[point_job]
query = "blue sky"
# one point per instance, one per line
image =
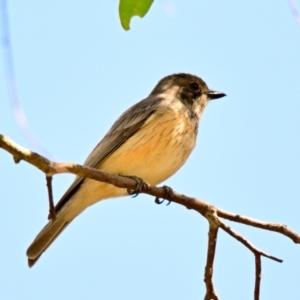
(78, 70)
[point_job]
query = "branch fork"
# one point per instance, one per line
(213, 214)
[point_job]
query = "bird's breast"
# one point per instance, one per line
(157, 150)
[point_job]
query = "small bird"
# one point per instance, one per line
(151, 140)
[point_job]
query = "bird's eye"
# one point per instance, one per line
(194, 86)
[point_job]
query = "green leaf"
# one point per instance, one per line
(131, 8)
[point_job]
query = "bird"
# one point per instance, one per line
(151, 140)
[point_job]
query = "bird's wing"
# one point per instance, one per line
(128, 124)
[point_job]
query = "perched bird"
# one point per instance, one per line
(150, 140)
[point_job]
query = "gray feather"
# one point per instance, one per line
(127, 125)
(45, 238)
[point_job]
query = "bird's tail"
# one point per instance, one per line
(45, 238)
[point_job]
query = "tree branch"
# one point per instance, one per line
(52, 212)
(214, 224)
(210, 212)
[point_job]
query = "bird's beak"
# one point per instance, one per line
(215, 95)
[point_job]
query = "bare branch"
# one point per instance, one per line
(257, 276)
(50, 196)
(50, 168)
(210, 212)
(257, 255)
(211, 251)
(252, 248)
(283, 229)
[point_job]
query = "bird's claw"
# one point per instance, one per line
(168, 192)
(139, 186)
(158, 201)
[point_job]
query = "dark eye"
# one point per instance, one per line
(194, 86)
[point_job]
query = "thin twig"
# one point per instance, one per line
(280, 228)
(50, 196)
(257, 276)
(211, 250)
(246, 243)
(257, 255)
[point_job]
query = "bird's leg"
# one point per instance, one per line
(168, 193)
(139, 185)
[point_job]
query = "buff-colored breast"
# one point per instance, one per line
(154, 154)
